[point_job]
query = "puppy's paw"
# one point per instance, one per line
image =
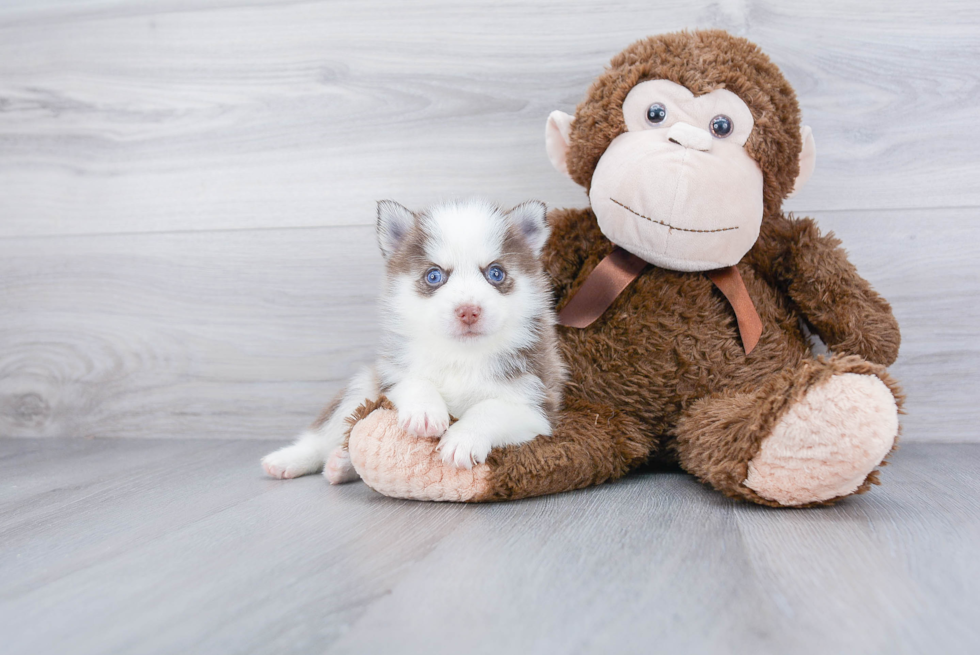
(429, 419)
(463, 447)
(338, 469)
(292, 461)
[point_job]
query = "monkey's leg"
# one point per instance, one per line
(589, 445)
(810, 436)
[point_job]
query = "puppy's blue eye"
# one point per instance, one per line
(434, 276)
(495, 274)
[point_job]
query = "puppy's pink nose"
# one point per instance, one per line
(468, 314)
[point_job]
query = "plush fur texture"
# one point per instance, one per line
(827, 443)
(662, 375)
(670, 192)
(702, 61)
(400, 465)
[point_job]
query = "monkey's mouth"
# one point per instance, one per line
(668, 225)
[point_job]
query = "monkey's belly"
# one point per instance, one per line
(672, 338)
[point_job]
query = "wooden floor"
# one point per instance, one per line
(181, 546)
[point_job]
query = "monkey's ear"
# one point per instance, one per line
(394, 223)
(556, 135)
(531, 220)
(808, 159)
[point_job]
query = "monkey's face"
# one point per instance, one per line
(678, 188)
(666, 165)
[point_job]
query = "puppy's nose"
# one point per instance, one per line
(468, 314)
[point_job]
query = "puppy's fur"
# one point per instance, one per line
(468, 331)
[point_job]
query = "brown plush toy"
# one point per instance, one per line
(682, 292)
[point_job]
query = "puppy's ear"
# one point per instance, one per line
(531, 220)
(394, 223)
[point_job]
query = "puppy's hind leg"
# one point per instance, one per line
(325, 438)
(339, 469)
(305, 456)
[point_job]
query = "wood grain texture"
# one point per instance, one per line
(191, 115)
(186, 186)
(247, 333)
(164, 546)
(231, 334)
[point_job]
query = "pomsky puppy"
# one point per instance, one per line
(468, 330)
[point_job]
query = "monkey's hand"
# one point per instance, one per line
(814, 271)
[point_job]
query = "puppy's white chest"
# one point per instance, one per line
(461, 389)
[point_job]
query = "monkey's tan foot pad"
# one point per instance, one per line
(827, 444)
(397, 464)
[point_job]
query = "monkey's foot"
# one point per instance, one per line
(828, 443)
(400, 465)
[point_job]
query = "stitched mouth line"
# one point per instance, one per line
(668, 225)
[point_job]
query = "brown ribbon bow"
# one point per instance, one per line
(619, 268)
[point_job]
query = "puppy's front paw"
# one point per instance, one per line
(463, 448)
(424, 419)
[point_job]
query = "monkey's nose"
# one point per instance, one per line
(685, 134)
(468, 314)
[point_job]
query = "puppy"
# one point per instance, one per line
(467, 331)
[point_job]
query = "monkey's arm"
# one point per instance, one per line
(814, 271)
(575, 241)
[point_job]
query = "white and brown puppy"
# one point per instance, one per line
(467, 331)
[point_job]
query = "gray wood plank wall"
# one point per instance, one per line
(187, 187)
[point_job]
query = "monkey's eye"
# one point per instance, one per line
(721, 126)
(495, 274)
(434, 276)
(656, 114)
